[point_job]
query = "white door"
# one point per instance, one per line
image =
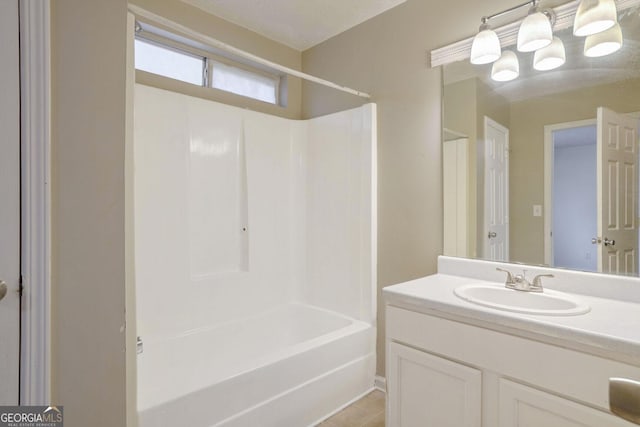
(617, 177)
(428, 391)
(9, 203)
(496, 191)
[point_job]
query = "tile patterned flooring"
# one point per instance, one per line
(366, 412)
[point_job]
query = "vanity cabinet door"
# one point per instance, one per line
(428, 391)
(522, 406)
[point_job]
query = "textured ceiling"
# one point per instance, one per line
(300, 24)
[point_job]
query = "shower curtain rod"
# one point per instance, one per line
(145, 14)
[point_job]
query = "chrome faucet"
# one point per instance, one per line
(519, 282)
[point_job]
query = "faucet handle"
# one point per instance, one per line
(509, 280)
(521, 278)
(537, 281)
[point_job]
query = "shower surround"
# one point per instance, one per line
(255, 262)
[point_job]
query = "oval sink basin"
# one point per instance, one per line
(549, 303)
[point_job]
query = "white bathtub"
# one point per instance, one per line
(291, 366)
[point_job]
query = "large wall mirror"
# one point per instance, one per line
(543, 169)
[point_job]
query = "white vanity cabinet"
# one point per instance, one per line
(443, 372)
(520, 405)
(431, 391)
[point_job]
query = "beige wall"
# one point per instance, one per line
(387, 57)
(459, 107)
(90, 200)
(528, 119)
(459, 115)
(88, 211)
(237, 36)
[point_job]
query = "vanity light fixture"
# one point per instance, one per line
(506, 68)
(550, 57)
(535, 31)
(486, 45)
(594, 16)
(603, 43)
(596, 19)
(485, 48)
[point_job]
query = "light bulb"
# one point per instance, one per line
(603, 43)
(550, 57)
(506, 68)
(486, 46)
(535, 32)
(594, 16)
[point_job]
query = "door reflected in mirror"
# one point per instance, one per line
(544, 169)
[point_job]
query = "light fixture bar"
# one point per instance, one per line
(508, 33)
(486, 44)
(511, 9)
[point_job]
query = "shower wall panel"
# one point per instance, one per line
(238, 212)
(341, 213)
(217, 196)
(206, 252)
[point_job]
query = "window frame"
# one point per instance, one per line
(209, 60)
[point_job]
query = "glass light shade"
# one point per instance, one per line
(603, 43)
(535, 32)
(506, 68)
(550, 57)
(485, 48)
(594, 16)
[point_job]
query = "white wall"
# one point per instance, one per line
(575, 207)
(306, 204)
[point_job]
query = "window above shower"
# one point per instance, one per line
(175, 57)
(173, 63)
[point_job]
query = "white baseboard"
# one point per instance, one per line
(380, 383)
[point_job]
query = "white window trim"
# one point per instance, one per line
(35, 95)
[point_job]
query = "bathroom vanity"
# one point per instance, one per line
(452, 362)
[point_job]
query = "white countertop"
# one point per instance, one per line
(611, 329)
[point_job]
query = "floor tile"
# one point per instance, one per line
(376, 421)
(366, 412)
(351, 416)
(373, 402)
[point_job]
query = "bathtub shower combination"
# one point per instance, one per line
(255, 262)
